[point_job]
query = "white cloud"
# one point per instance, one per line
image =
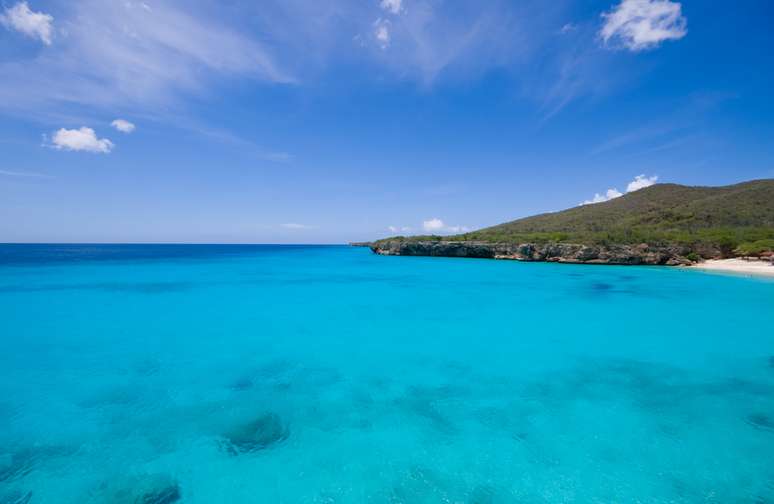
(640, 182)
(123, 125)
(84, 139)
(37, 25)
(437, 226)
(295, 225)
(394, 6)
(382, 33)
(611, 193)
(433, 225)
(644, 24)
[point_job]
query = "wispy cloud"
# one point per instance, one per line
(126, 54)
(296, 226)
(643, 24)
(426, 37)
(37, 25)
(7, 173)
(230, 138)
(428, 40)
(573, 68)
(665, 131)
(668, 145)
(651, 131)
(133, 56)
(570, 82)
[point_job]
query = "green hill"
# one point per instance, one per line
(718, 218)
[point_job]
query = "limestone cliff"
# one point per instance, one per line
(550, 252)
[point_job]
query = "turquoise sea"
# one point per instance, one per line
(312, 374)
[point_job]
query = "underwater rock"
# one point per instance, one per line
(165, 495)
(456, 370)
(147, 367)
(428, 403)
(738, 386)
(147, 489)
(14, 465)
(241, 384)
(319, 378)
(19, 463)
(761, 421)
(16, 498)
(270, 375)
(274, 370)
(260, 434)
(601, 287)
(143, 287)
(122, 395)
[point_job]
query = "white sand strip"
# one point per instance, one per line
(738, 266)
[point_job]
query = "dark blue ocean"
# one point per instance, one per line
(310, 374)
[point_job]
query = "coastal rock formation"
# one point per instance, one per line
(664, 224)
(642, 254)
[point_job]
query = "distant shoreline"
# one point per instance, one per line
(572, 254)
(743, 267)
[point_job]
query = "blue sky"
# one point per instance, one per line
(298, 121)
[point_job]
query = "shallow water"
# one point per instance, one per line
(258, 374)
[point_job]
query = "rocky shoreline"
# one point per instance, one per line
(641, 254)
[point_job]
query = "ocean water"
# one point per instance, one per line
(305, 374)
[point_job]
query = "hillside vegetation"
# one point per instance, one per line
(731, 218)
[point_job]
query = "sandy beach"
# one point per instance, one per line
(738, 266)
